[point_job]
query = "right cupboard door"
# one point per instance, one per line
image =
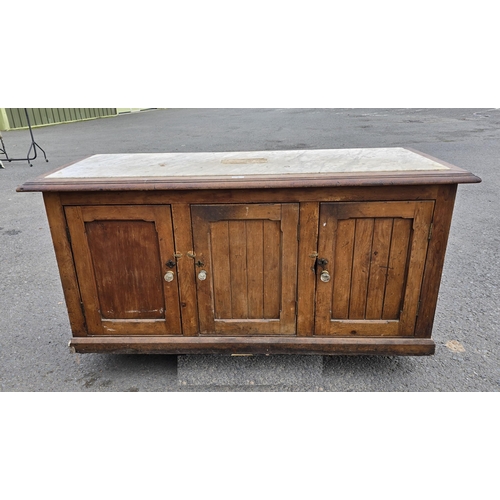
(371, 258)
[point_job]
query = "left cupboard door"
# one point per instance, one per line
(126, 267)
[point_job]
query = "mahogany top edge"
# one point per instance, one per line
(450, 175)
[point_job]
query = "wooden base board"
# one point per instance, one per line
(254, 345)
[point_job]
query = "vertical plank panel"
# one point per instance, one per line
(308, 251)
(181, 216)
(327, 239)
(163, 222)
(382, 232)
(289, 249)
(201, 238)
(272, 269)
(343, 268)
(397, 268)
(238, 260)
(418, 253)
(219, 238)
(361, 267)
(255, 263)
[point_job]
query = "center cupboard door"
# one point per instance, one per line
(246, 268)
(370, 267)
(125, 263)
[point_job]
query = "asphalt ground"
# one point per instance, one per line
(34, 328)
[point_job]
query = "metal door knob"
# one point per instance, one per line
(202, 275)
(169, 276)
(325, 276)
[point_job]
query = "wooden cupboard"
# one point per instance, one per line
(317, 252)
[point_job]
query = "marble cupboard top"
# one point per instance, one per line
(248, 163)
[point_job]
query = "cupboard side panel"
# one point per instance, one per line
(64, 258)
(442, 217)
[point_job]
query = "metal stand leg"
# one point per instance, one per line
(2, 151)
(33, 147)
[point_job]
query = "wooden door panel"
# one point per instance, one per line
(395, 277)
(120, 256)
(273, 256)
(127, 289)
(375, 254)
(363, 237)
(379, 263)
(255, 260)
(249, 254)
(238, 269)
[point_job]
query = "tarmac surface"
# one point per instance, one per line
(34, 328)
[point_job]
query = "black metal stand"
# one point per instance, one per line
(33, 147)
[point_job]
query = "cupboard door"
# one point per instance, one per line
(246, 267)
(371, 259)
(122, 257)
